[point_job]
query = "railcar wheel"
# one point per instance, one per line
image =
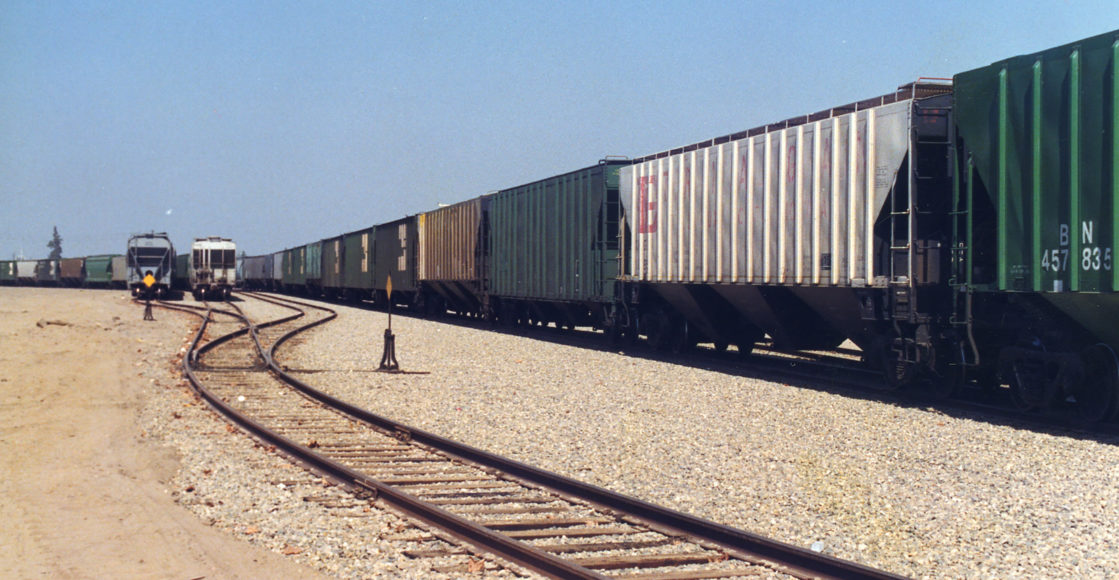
(1027, 386)
(896, 371)
(1097, 393)
(655, 328)
(948, 373)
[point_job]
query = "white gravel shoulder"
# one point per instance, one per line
(906, 489)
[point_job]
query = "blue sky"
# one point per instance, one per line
(278, 123)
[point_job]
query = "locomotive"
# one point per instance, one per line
(212, 268)
(151, 263)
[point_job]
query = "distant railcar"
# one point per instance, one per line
(277, 270)
(294, 268)
(47, 272)
(153, 255)
(552, 253)
(357, 264)
(72, 271)
(451, 256)
(7, 272)
(180, 279)
(120, 272)
(332, 263)
(25, 271)
(213, 268)
(312, 268)
(256, 272)
(394, 256)
(99, 271)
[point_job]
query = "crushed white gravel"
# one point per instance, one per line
(907, 489)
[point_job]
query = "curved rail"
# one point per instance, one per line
(737, 543)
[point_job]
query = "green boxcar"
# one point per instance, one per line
(99, 270)
(295, 268)
(313, 266)
(556, 241)
(1041, 134)
(7, 272)
(1038, 185)
(332, 255)
(394, 254)
(180, 278)
(357, 262)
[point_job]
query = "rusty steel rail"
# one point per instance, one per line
(791, 559)
(776, 555)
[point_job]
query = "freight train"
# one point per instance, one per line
(149, 269)
(958, 231)
(100, 271)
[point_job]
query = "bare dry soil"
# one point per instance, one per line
(82, 488)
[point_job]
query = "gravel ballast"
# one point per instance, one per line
(907, 489)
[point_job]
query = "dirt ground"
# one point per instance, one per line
(82, 491)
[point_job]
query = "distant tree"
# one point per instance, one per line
(55, 245)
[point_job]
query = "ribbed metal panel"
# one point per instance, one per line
(395, 255)
(357, 259)
(120, 269)
(1042, 133)
(313, 262)
(72, 269)
(332, 255)
(98, 269)
(257, 269)
(448, 242)
(25, 269)
(278, 266)
(556, 239)
(789, 206)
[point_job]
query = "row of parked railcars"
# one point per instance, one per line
(149, 269)
(102, 271)
(953, 229)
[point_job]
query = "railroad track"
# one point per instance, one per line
(516, 515)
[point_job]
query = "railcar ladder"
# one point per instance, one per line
(905, 224)
(960, 281)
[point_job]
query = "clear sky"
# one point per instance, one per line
(278, 123)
